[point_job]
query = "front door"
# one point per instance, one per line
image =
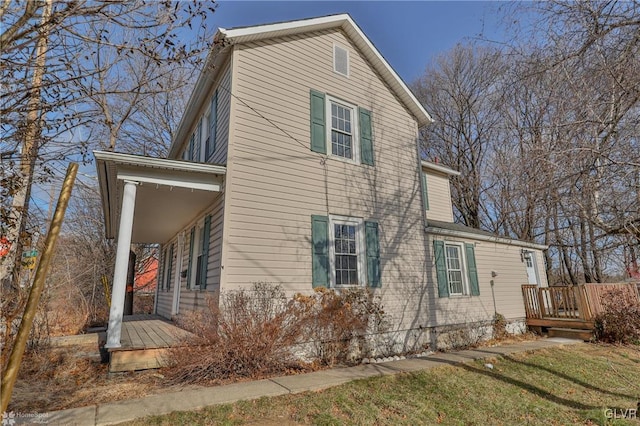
(530, 262)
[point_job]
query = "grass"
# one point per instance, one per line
(559, 386)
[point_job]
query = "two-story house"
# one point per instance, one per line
(296, 162)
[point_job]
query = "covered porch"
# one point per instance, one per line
(147, 200)
(144, 343)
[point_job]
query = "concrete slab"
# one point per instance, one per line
(188, 400)
(315, 381)
(83, 416)
(195, 399)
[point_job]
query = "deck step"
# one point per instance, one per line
(571, 333)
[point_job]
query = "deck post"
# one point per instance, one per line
(122, 263)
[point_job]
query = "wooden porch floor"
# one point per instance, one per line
(145, 342)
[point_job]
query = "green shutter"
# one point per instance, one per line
(189, 267)
(366, 138)
(320, 251)
(373, 254)
(472, 270)
(205, 251)
(318, 131)
(441, 268)
(168, 285)
(425, 192)
(213, 126)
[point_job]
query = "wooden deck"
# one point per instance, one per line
(568, 308)
(145, 342)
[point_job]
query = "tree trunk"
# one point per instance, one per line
(33, 129)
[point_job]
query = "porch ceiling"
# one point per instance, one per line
(169, 193)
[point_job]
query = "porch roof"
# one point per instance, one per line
(170, 192)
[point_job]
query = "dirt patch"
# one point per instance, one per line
(69, 377)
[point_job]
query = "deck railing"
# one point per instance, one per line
(581, 302)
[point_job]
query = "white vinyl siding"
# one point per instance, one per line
(439, 196)
(276, 183)
(193, 151)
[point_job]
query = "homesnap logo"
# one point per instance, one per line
(8, 419)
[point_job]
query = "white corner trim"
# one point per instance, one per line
(439, 168)
(469, 235)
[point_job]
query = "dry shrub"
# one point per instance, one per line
(620, 320)
(339, 323)
(500, 327)
(259, 332)
(249, 336)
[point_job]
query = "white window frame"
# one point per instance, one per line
(335, 70)
(197, 251)
(355, 129)
(360, 249)
(463, 268)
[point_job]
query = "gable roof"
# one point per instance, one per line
(225, 38)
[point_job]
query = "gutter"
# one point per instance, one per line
(498, 240)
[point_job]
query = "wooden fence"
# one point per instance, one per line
(581, 302)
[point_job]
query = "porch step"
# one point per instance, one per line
(571, 333)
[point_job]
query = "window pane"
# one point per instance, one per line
(346, 259)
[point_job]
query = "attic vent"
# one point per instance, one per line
(340, 60)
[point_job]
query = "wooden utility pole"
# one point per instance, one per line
(30, 146)
(11, 373)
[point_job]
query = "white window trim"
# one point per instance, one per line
(463, 265)
(355, 130)
(348, 74)
(360, 249)
(197, 251)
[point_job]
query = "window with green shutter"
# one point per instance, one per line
(366, 137)
(340, 129)
(373, 254)
(320, 251)
(192, 238)
(425, 191)
(318, 132)
(346, 252)
(456, 271)
(210, 143)
(204, 263)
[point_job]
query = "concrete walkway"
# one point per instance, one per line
(188, 400)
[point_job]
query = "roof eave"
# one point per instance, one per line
(440, 168)
(480, 237)
(343, 21)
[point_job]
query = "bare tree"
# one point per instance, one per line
(461, 92)
(103, 59)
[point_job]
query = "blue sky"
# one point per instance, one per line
(407, 33)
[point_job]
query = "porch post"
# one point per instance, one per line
(122, 263)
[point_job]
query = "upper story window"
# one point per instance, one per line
(342, 130)
(210, 143)
(341, 60)
(202, 143)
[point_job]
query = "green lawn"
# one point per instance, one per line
(571, 385)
